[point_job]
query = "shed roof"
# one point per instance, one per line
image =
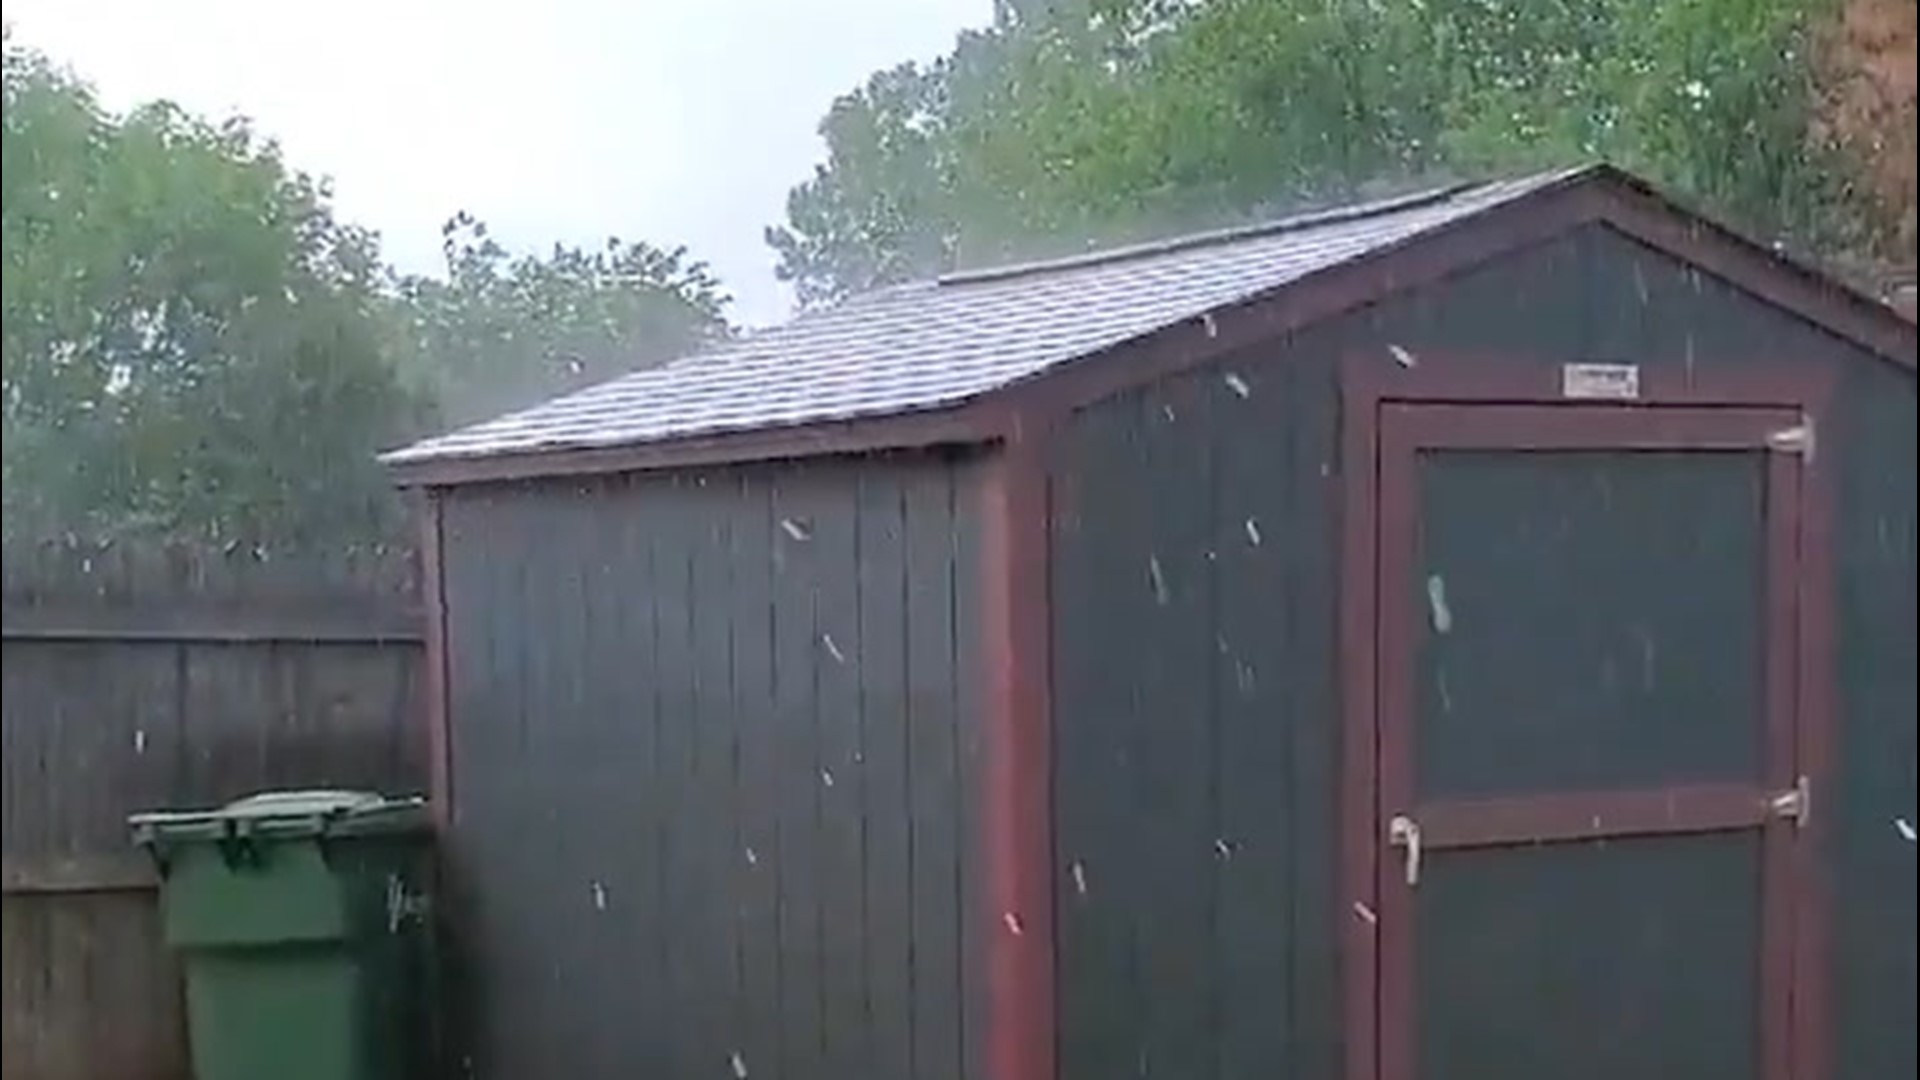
(933, 345)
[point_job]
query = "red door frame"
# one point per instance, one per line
(1455, 824)
(1694, 409)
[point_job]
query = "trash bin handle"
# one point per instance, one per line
(236, 842)
(147, 839)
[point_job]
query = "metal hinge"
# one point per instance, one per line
(1793, 804)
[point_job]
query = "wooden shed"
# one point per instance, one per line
(1463, 637)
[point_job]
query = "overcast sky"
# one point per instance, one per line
(673, 121)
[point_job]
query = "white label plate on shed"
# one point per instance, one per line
(1604, 382)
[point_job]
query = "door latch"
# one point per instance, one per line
(1793, 804)
(1404, 833)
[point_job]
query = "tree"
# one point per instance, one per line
(190, 340)
(500, 332)
(878, 212)
(1865, 72)
(1069, 121)
(195, 345)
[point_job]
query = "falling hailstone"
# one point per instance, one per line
(796, 529)
(1079, 872)
(1904, 828)
(1158, 578)
(739, 1064)
(833, 649)
(1402, 356)
(1437, 600)
(599, 897)
(140, 740)
(1238, 385)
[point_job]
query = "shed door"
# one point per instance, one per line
(1587, 768)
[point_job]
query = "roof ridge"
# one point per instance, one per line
(1291, 223)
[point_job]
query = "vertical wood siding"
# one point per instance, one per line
(714, 756)
(1193, 772)
(1196, 715)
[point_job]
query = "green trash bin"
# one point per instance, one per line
(300, 918)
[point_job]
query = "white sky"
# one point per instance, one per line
(672, 121)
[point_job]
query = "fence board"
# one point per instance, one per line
(142, 676)
(365, 625)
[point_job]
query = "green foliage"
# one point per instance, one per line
(880, 211)
(1075, 121)
(499, 332)
(189, 343)
(194, 345)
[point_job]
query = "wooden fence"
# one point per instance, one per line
(142, 677)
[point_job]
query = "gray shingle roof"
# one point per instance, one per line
(936, 344)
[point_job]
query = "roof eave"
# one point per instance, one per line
(982, 420)
(1641, 211)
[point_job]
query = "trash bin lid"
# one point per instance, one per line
(288, 815)
(303, 804)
